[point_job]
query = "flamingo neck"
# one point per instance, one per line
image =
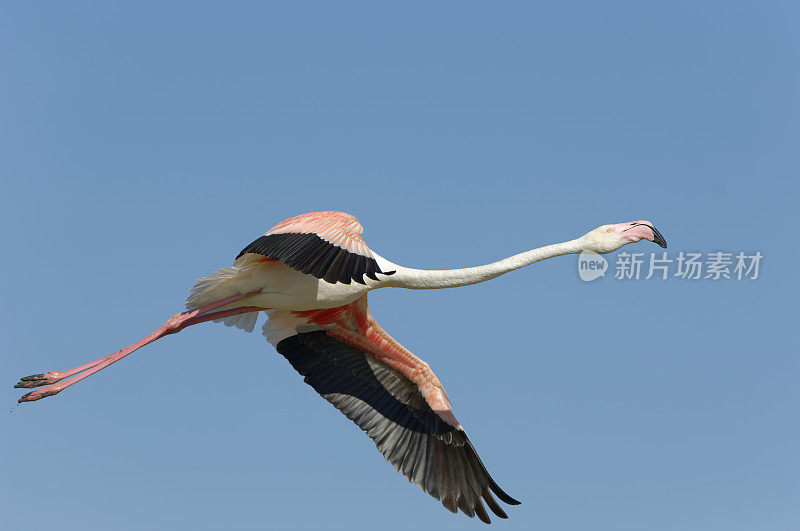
(452, 278)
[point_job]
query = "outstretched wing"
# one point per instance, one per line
(349, 360)
(324, 244)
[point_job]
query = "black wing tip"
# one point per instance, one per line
(449, 503)
(481, 512)
(310, 254)
(493, 505)
(500, 493)
(505, 498)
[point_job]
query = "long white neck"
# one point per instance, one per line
(452, 278)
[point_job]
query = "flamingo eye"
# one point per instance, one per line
(610, 229)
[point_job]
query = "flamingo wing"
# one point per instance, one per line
(325, 244)
(349, 360)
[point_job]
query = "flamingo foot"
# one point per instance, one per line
(38, 394)
(37, 380)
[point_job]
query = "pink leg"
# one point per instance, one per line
(174, 324)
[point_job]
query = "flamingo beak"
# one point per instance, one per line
(658, 239)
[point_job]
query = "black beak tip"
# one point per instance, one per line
(658, 239)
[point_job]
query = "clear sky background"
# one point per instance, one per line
(142, 145)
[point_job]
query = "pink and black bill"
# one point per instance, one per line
(429, 452)
(658, 239)
(310, 254)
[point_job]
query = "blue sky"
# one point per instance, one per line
(144, 145)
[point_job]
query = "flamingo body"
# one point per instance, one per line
(311, 274)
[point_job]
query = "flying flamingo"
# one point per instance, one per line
(311, 274)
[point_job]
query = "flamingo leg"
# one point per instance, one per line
(54, 382)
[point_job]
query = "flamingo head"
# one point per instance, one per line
(609, 238)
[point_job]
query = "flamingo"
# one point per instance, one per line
(311, 274)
